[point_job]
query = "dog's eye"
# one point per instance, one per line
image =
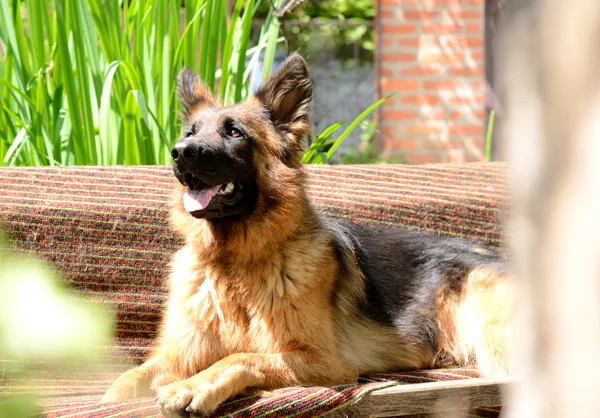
(234, 133)
(191, 132)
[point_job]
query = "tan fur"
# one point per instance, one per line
(475, 322)
(264, 302)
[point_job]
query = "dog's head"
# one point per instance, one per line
(230, 160)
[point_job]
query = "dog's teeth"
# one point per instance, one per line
(228, 188)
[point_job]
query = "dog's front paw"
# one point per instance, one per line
(128, 386)
(188, 397)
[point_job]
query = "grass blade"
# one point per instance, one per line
(131, 148)
(244, 36)
(488, 136)
(320, 140)
(228, 48)
(17, 143)
(107, 131)
(355, 123)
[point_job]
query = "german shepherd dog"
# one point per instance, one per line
(269, 293)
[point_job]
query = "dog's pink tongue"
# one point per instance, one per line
(194, 200)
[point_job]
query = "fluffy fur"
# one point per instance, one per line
(278, 295)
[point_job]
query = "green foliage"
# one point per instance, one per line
(19, 406)
(366, 152)
(337, 24)
(43, 328)
(322, 148)
(359, 13)
(94, 82)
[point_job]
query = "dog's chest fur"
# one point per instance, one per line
(216, 313)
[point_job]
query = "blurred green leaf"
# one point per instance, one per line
(40, 319)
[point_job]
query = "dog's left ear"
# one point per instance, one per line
(287, 95)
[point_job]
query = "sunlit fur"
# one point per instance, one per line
(283, 296)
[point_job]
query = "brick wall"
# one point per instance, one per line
(431, 54)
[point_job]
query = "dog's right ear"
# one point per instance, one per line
(193, 94)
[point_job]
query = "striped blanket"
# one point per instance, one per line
(105, 230)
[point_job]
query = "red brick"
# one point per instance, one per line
(476, 143)
(387, 14)
(466, 130)
(464, 14)
(399, 56)
(386, 43)
(392, 102)
(410, 42)
(420, 129)
(461, 100)
(478, 114)
(474, 28)
(388, 131)
(456, 156)
(399, 28)
(438, 144)
(420, 100)
(442, 84)
(399, 115)
(440, 28)
(471, 157)
(445, 2)
(477, 84)
(441, 58)
(399, 2)
(475, 42)
(466, 71)
(407, 144)
(463, 41)
(425, 41)
(420, 70)
(454, 115)
(478, 55)
(419, 15)
(430, 41)
(396, 84)
(433, 157)
(434, 115)
(473, 2)
(387, 72)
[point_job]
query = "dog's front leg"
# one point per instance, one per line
(202, 393)
(136, 382)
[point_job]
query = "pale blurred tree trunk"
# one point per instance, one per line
(549, 72)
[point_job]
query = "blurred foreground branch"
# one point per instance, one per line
(550, 77)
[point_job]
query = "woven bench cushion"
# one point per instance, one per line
(297, 402)
(105, 230)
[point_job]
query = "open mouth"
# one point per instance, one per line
(200, 194)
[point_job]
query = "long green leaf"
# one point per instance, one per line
(131, 146)
(488, 136)
(228, 48)
(355, 123)
(17, 143)
(319, 141)
(243, 46)
(76, 143)
(108, 133)
(273, 28)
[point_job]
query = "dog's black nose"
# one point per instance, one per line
(185, 151)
